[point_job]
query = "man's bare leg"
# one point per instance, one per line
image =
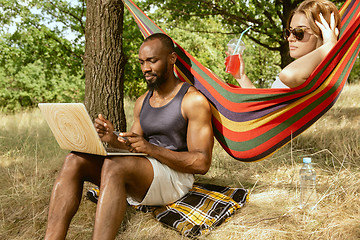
(119, 176)
(67, 191)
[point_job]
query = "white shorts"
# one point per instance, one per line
(167, 186)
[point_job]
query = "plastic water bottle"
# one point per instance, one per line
(308, 197)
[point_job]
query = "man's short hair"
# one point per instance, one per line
(165, 39)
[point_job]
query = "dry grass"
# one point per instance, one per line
(30, 159)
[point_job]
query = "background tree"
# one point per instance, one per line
(104, 61)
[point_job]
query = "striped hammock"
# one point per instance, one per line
(252, 124)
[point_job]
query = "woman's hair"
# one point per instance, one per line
(312, 10)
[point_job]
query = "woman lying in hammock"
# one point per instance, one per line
(312, 31)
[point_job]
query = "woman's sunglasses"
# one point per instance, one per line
(298, 33)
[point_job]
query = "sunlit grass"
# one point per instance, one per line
(30, 160)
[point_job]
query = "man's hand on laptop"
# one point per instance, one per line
(128, 140)
(105, 129)
(136, 143)
(106, 132)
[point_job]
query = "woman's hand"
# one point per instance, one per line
(330, 32)
(241, 71)
(240, 75)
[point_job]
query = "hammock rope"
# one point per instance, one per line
(252, 124)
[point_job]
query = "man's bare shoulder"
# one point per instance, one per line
(194, 98)
(138, 104)
(140, 99)
(195, 94)
(192, 89)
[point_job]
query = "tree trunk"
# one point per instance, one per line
(104, 61)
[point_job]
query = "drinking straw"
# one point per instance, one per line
(238, 43)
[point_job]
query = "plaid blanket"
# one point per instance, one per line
(201, 210)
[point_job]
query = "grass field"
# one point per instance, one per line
(30, 160)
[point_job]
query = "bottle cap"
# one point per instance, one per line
(307, 160)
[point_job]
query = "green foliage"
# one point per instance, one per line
(31, 85)
(266, 18)
(201, 40)
(262, 65)
(38, 63)
(134, 84)
(39, 38)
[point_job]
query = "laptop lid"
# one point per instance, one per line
(73, 128)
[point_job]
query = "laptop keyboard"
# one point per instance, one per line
(116, 150)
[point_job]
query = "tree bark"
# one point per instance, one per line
(104, 61)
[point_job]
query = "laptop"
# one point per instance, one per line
(74, 130)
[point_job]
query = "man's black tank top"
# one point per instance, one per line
(165, 126)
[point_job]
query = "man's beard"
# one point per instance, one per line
(160, 79)
(153, 86)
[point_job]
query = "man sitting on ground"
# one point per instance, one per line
(172, 125)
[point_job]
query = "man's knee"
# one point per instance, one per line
(119, 168)
(76, 164)
(74, 161)
(135, 174)
(116, 166)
